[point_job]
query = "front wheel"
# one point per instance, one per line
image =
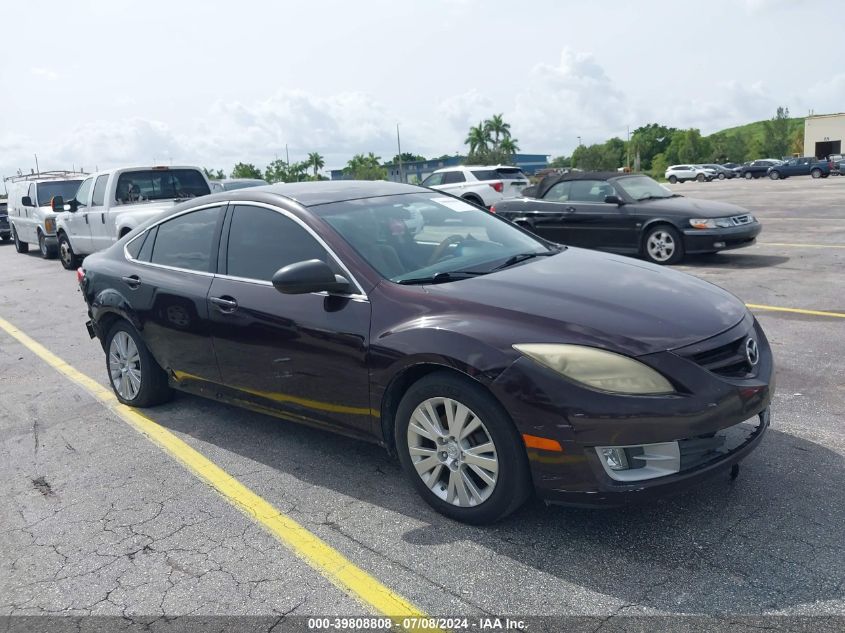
(20, 247)
(69, 259)
(749, 175)
(673, 179)
(816, 173)
(135, 377)
(721, 176)
(461, 449)
(701, 178)
(663, 245)
(47, 251)
(774, 175)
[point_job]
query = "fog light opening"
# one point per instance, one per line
(614, 458)
(718, 245)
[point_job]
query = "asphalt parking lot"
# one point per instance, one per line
(98, 519)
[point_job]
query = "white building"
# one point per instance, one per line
(823, 135)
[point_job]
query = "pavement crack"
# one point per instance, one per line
(42, 485)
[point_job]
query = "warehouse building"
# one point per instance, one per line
(823, 135)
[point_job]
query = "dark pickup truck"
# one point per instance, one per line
(803, 166)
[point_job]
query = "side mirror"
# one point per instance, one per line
(27, 201)
(614, 200)
(57, 204)
(311, 275)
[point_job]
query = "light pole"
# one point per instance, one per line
(579, 141)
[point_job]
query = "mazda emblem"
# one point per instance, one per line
(752, 353)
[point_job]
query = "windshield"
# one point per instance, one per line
(643, 188)
(64, 188)
(160, 184)
(420, 235)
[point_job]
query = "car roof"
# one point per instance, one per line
(312, 193)
(464, 167)
(551, 180)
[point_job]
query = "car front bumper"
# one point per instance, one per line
(707, 406)
(709, 240)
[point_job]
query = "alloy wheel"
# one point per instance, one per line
(453, 452)
(42, 244)
(661, 246)
(125, 365)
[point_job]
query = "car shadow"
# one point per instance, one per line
(769, 540)
(735, 260)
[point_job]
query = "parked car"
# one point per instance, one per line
(32, 218)
(5, 227)
(836, 162)
(231, 184)
(491, 361)
(757, 168)
(734, 167)
(629, 214)
(478, 184)
(682, 173)
(721, 171)
(109, 204)
(804, 166)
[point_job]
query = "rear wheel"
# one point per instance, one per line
(69, 259)
(701, 178)
(663, 245)
(475, 200)
(816, 173)
(20, 247)
(47, 251)
(461, 449)
(673, 179)
(721, 176)
(135, 376)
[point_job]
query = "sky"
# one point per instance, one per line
(98, 84)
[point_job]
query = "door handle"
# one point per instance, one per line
(103, 218)
(133, 281)
(86, 217)
(569, 209)
(224, 304)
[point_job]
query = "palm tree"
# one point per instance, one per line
(509, 146)
(316, 162)
(477, 138)
(498, 128)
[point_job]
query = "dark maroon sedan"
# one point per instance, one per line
(493, 363)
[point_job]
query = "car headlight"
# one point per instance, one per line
(710, 223)
(598, 369)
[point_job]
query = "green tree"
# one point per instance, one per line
(650, 140)
(496, 129)
(561, 162)
(508, 147)
(408, 157)
(599, 156)
(246, 170)
(213, 174)
(659, 164)
(316, 162)
(281, 171)
(776, 135)
(796, 141)
(365, 167)
(477, 138)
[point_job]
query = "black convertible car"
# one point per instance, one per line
(630, 214)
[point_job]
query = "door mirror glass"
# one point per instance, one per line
(613, 200)
(27, 201)
(57, 204)
(312, 275)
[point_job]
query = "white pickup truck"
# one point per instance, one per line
(111, 203)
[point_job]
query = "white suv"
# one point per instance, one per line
(682, 173)
(480, 185)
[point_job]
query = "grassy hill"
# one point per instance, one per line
(756, 130)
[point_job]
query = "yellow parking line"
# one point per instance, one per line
(802, 245)
(329, 562)
(755, 306)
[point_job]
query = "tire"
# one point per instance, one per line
(663, 245)
(69, 259)
(480, 495)
(673, 179)
(701, 178)
(20, 247)
(475, 200)
(721, 176)
(47, 252)
(749, 175)
(816, 173)
(135, 376)
(6, 238)
(774, 175)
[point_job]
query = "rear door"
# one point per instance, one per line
(77, 223)
(454, 182)
(303, 356)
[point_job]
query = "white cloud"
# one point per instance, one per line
(46, 73)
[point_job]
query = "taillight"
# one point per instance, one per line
(80, 275)
(498, 186)
(493, 209)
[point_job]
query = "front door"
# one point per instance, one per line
(303, 356)
(77, 222)
(99, 222)
(596, 223)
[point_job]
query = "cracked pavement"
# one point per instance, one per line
(98, 520)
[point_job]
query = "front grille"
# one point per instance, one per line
(701, 450)
(726, 360)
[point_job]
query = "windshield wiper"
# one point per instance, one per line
(521, 257)
(651, 197)
(439, 278)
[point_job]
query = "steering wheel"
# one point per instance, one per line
(441, 248)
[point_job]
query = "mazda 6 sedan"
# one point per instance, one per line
(629, 214)
(493, 363)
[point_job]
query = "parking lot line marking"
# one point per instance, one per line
(755, 306)
(333, 565)
(801, 245)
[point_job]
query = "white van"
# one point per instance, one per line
(31, 215)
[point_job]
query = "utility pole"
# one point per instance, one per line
(579, 141)
(287, 156)
(628, 148)
(399, 147)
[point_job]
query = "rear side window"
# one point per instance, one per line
(451, 177)
(510, 173)
(134, 247)
(99, 198)
(262, 241)
(590, 190)
(186, 241)
(559, 192)
(485, 174)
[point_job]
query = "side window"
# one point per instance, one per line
(186, 240)
(433, 180)
(262, 241)
(146, 251)
(559, 192)
(31, 193)
(134, 247)
(83, 193)
(99, 198)
(451, 177)
(589, 190)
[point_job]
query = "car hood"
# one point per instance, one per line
(694, 207)
(592, 298)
